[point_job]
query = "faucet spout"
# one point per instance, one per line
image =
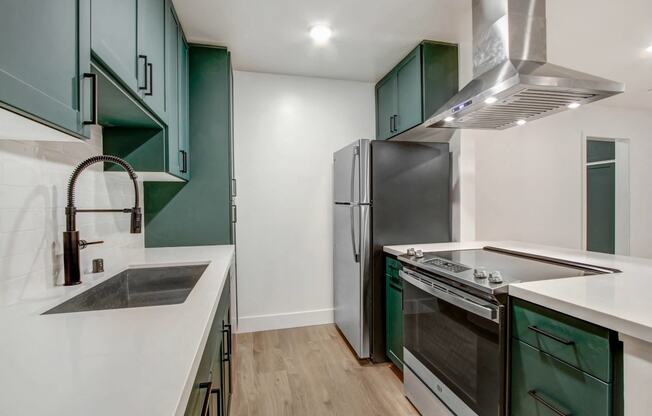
(71, 241)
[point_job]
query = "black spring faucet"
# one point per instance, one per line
(71, 242)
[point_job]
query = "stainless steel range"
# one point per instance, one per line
(455, 324)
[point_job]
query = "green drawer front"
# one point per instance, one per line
(573, 341)
(392, 268)
(559, 385)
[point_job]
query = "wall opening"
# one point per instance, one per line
(606, 195)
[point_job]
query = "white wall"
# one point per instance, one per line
(33, 180)
(286, 130)
(529, 179)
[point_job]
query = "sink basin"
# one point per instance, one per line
(134, 288)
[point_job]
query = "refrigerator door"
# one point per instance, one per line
(347, 275)
(351, 173)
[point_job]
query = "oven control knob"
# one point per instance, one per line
(411, 252)
(495, 277)
(418, 254)
(480, 273)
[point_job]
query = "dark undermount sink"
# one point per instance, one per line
(133, 288)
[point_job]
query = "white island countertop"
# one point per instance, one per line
(619, 301)
(134, 361)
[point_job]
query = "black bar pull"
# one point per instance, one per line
(150, 78)
(184, 161)
(551, 336)
(144, 59)
(208, 386)
(538, 398)
(226, 329)
(93, 78)
(217, 394)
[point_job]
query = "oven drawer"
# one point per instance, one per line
(543, 385)
(573, 341)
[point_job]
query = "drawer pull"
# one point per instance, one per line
(538, 398)
(551, 336)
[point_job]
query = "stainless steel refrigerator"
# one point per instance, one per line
(385, 193)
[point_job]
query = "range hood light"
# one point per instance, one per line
(490, 100)
(449, 119)
(573, 106)
(521, 122)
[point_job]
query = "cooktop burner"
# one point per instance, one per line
(492, 270)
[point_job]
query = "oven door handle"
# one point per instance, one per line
(452, 298)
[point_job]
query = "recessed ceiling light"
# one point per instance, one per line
(491, 100)
(573, 106)
(321, 34)
(649, 48)
(449, 119)
(521, 122)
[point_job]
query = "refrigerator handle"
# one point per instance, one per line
(356, 157)
(356, 252)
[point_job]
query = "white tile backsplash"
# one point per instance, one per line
(33, 184)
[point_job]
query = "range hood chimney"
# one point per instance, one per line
(513, 82)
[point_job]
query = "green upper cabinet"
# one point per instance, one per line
(151, 54)
(44, 54)
(415, 89)
(114, 30)
(184, 126)
(172, 49)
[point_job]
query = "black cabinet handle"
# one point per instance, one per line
(184, 161)
(538, 398)
(93, 78)
(217, 394)
(204, 407)
(226, 329)
(144, 59)
(395, 123)
(391, 124)
(150, 78)
(551, 336)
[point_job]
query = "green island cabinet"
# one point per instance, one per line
(561, 365)
(416, 88)
(394, 312)
(44, 56)
(212, 389)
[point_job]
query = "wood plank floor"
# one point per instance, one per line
(311, 371)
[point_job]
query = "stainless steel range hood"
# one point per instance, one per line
(513, 82)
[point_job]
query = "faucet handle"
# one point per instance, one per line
(83, 243)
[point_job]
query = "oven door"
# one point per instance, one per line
(454, 343)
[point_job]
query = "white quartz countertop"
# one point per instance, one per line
(620, 301)
(136, 361)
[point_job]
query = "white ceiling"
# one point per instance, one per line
(603, 37)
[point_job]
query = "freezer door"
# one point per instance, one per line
(351, 173)
(350, 267)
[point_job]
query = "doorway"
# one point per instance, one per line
(606, 196)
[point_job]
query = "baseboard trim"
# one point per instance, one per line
(257, 323)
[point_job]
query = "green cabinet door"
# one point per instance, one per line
(172, 46)
(394, 312)
(44, 53)
(408, 82)
(114, 26)
(184, 128)
(386, 107)
(151, 54)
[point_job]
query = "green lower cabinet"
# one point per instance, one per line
(394, 312)
(545, 386)
(44, 54)
(211, 391)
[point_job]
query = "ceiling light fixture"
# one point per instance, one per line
(649, 49)
(573, 106)
(449, 119)
(490, 100)
(321, 34)
(521, 122)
